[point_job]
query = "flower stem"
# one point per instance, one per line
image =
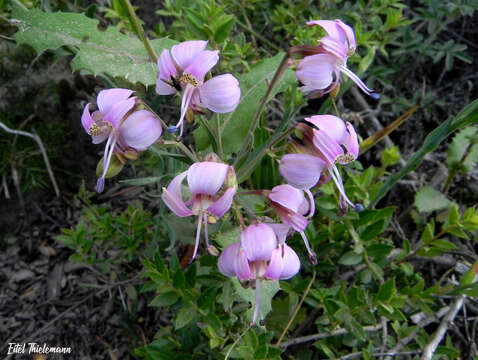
(255, 121)
(183, 148)
(138, 29)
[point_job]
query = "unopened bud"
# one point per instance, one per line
(212, 157)
(231, 179)
(213, 250)
(335, 91)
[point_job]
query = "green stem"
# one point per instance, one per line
(454, 171)
(138, 29)
(296, 311)
(255, 121)
(183, 148)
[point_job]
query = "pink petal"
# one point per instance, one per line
(352, 143)
(241, 266)
(223, 204)
(220, 94)
(258, 241)
(97, 139)
(336, 48)
(349, 33)
(162, 88)
(186, 52)
(328, 147)
(330, 26)
(296, 221)
(203, 62)
(291, 263)
(140, 130)
(316, 71)
(206, 177)
(173, 197)
(118, 111)
(301, 170)
(332, 125)
(227, 259)
(166, 69)
(287, 196)
(276, 265)
(107, 99)
(86, 119)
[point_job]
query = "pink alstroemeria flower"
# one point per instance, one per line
(183, 70)
(321, 72)
(258, 257)
(324, 141)
(294, 210)
(127, 130)
(205, 181)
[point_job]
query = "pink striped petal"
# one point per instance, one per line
(173, 197)
(281, 231)
(349, 33)
(328, 147)
(118, 111)
(223, 204)
(296, 221)
(287, 196)
(291, 263)
(301, 170)
(227, 259)
(276, 265)
(352, 143)
(332, 125)
(206, 177)
(330, 26)
(220, 94)
(186, 52)
(107, 99)
(140, 130)
(166, 69)
(336, 48)
(203, 62)
(258, 241)
(315, 71)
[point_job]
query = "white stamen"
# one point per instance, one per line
(335, 175)
(198, 234)
(355, 79)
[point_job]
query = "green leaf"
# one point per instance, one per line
(234, 126)
(427, 199)
(166, 299)
(184, 316)
(229, 237)
(350, 258)
(469, 115)
(387, 290)
(106, 52)
(143, 181)
(114, 169)
(456, 150)
(269, 289)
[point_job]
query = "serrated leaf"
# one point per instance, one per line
(106, 52)
(427, 199)
(234, 126)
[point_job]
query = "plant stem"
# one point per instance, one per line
(454, 171)
(296, 311)
(138, 29)
(255, 121)
(183, 148)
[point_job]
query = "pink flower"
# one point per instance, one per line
(212, 192)
(257, 257)
(325, 140)
(320, 73)
(183, 70)
(127, 130)
(291, 207)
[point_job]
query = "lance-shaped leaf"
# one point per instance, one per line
(107, 52)
(234, 126)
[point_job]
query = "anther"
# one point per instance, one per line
(358, 207)
(375, 96)
(172, 129)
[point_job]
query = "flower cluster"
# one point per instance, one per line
(318, 145)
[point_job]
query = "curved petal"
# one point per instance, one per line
(118, 111)
(258, 241)
(291, 263)
(331, 27)
(185, 52)
(296, 221)
(203, 62)
(97, 139)
(173, 197)
(287, 196)
(223, 204)
(276, 265)
(301, 170)
(352, 143)
(328, 147)
(332, 125)
(220, 94)
(336, 48)
(206, 177)
(140, 130)
(166, 66)
(107, 99)
(86, 119)
(227, 258)
(349, 33)
(163, 88)
(241, 266)
(315, 71)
